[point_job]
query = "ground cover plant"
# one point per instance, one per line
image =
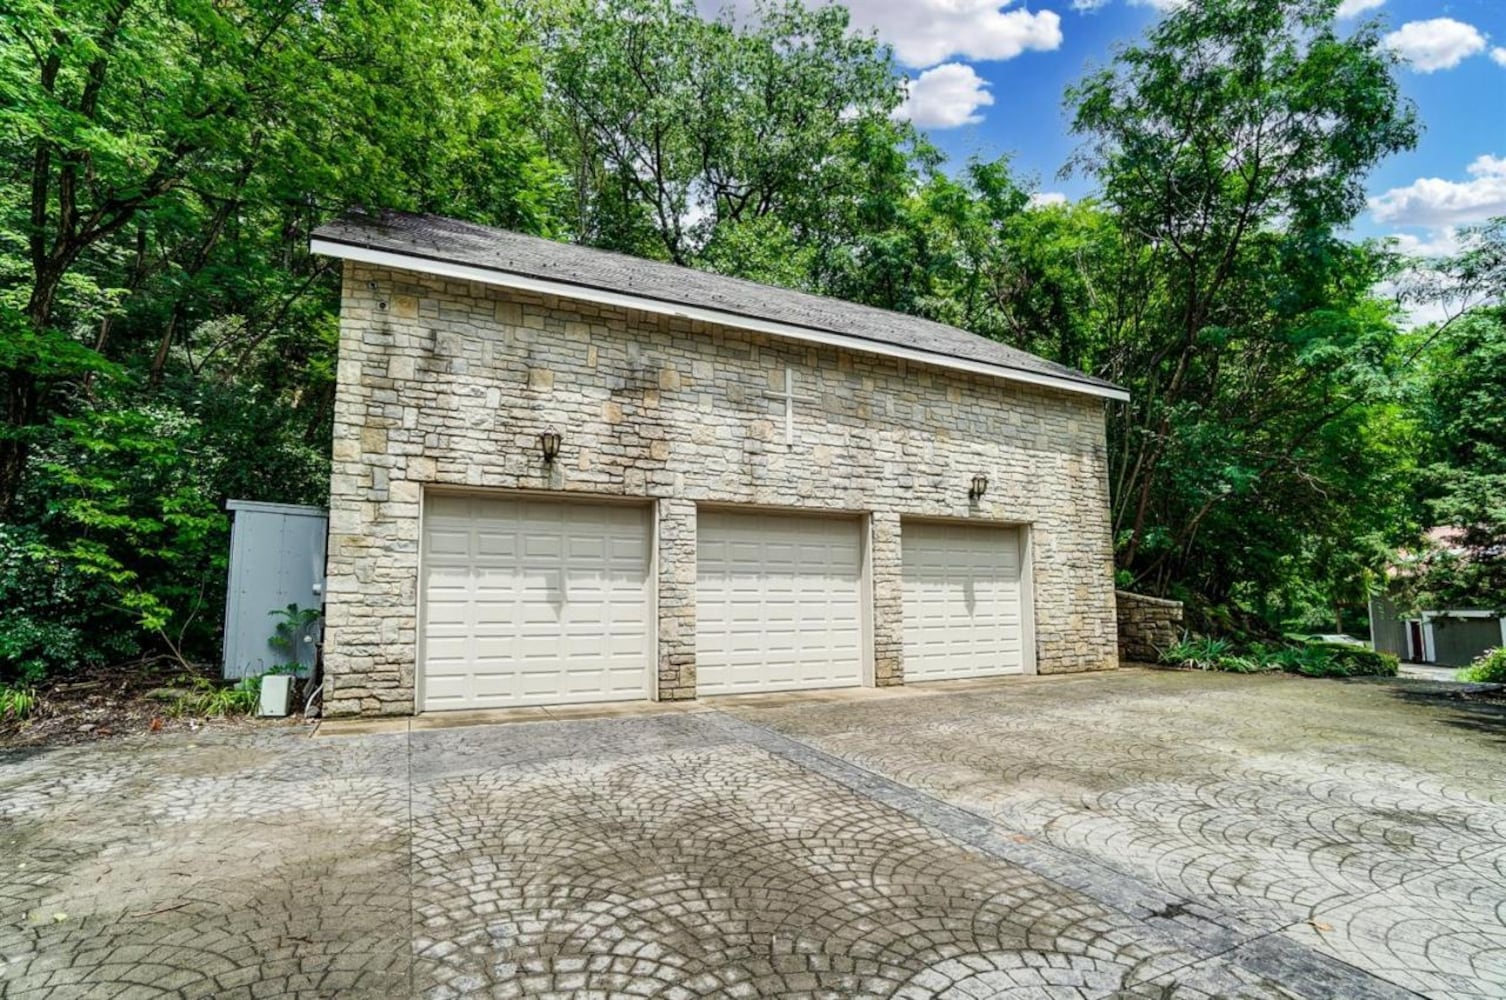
(16, 702)
(207, 699)
(1310, 659)
(1487, 668)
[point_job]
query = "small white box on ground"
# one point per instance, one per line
(276, 692)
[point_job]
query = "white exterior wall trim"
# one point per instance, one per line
(583, 293)
(1430, 615)
(1027, 596)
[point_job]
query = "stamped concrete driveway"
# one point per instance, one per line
(1139, 835)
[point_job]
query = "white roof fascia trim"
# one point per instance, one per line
(585, 293)
(1457, 613)
(267, 507)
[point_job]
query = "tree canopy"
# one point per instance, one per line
(168, 341)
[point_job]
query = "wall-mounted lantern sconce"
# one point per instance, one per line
(549, 444)
(979, 487)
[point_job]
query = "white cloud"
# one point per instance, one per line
(1042, 199)
(1354, 8)
(1441, 43)
(1161, 5)
(1415, 312)
(1435, 202)
(1498, 55)
(1089, 5)
(945, 97)
(1437, 243)
(1424, 294)
(926, 32)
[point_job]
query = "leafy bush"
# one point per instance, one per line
(293, 636)
(207, 699)
(129, 505)
(1244, 663)
(1344, 660)
(119, 542)
(1198, 651)
(1312, 659)
(56, 618)
(1487, 668)
(16, 702)
(1206, 653)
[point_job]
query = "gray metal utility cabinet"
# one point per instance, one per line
(276, 559)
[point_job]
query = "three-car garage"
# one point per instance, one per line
(535, 600)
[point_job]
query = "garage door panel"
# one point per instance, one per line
(778, 602)
(448, 543)
(962, 601)
(534, 601)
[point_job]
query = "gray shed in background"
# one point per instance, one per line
(1449, 638)
(276, 559)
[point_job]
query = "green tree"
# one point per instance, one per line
(1463, 404)
(176, 154)
(739, 146)
(1232, 145)
(168, 340)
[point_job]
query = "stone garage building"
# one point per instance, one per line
(563, 475)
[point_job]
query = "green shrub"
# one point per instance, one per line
(207, 699)
(1312, 659)
(55, 618)
(1243, 663)
(1344, 660)
(1206, 653)
(1199, 651)
(16, 702)
(1487, 668)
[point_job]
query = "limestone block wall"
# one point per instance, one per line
(1147, 625)
(446, 384)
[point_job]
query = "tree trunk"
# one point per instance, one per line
(21, 400)
(23, 395)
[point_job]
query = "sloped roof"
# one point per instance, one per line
(436, 244)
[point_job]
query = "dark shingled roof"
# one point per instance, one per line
(450, 241)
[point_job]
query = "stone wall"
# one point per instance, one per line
(447, 384)
(1147, 625)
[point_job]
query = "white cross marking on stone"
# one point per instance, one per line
(790, 399)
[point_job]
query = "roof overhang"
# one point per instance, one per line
(601, 296)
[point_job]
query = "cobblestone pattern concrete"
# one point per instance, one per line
(448, 384)
(1147, 626)
(711, 855)
(1339, 816)
(233, 865)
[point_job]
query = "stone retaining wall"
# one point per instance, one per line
(1147, 625)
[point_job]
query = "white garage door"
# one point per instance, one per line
(962, 601)
(534, 602)
(778, 603)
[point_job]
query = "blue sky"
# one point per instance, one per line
(988, 78)
(1456, 75)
